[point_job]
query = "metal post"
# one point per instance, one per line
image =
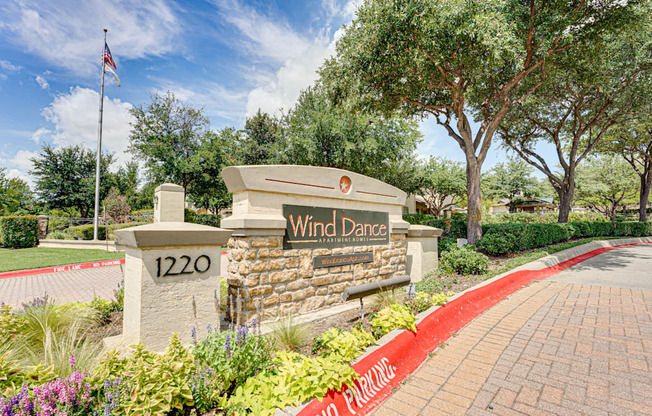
(99, 149)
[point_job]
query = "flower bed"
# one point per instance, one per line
(233, 372)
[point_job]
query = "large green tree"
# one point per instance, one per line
(208, 190)
(460, 60)
(258, 143)
(64, 177)
(15, 195)
(581, 101)
(166, 134)
(512, 180)
(319, 133)
(444, 184)
(604, 183)
(633, 141)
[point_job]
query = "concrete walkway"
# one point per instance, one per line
(70, 286)
(576, 344)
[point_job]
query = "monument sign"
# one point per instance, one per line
(302, 234)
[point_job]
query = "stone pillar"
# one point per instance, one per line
(169, 203)
(42, 227)
(422, 251)
(172, 281)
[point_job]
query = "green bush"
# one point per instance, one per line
(418, 219)
(445, 244)
(497, 244)
(464, 260)
(189, 215)
(209, 219)
(511, 238)
(451, 228)
(88, 230)
(18, 231)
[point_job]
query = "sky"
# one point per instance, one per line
(230, 57)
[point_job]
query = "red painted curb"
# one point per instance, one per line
(66, 268)
(63, 268)
(386, 367)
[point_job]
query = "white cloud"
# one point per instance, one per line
(68, 33)
(262, 36)
(75, 118)
(296, 74)
(271, 39)
(42, 82)
(21, 161)
(215, 98)
(40, 133)
(8, 66)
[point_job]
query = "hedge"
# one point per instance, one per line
(500, 239)
(18, 231)
(209, 219)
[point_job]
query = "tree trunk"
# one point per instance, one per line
(646, 182)
(474, 216)
(565, 201)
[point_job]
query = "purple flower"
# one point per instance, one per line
(193, 334)
(72, 360)
(227, 344)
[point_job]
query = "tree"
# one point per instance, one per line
(604, 183)
(579, 104)
(512, 180)
(319, 133)
(15, 195)
(444, 184)
(257, 143)
(65, 177)
(117, 207)
(166, 134)
(458, 60)
(633, 142)
(208, 190)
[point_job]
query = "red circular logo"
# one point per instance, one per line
(345, 184)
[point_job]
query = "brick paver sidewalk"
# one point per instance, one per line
(550, 349)
(72, 286)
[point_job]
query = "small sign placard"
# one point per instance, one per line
(342, 259)
(315, 227)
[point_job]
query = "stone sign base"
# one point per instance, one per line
(266, 281)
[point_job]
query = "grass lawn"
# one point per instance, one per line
(37, 257)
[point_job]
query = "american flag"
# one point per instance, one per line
(107, 57)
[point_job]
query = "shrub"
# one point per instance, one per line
(451, 228)
(297, 380)
(418, 218)
(393, 316)
(464, 260)
(117, 207)
(57, 235)
(445, 244)
(158, 384)
(287, 334)
(347, 345)
(18, 231)
(497, 244)
(209, 219)
(520, 237)
(189, 215)
(237, 355)
(423, 301)
(85, 232)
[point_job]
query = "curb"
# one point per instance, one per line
(401, 352)
(63, 268)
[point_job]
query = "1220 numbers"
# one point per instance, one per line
(201, 265)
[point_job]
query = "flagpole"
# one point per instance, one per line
(99, 151)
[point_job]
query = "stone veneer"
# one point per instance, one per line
(264, 279)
